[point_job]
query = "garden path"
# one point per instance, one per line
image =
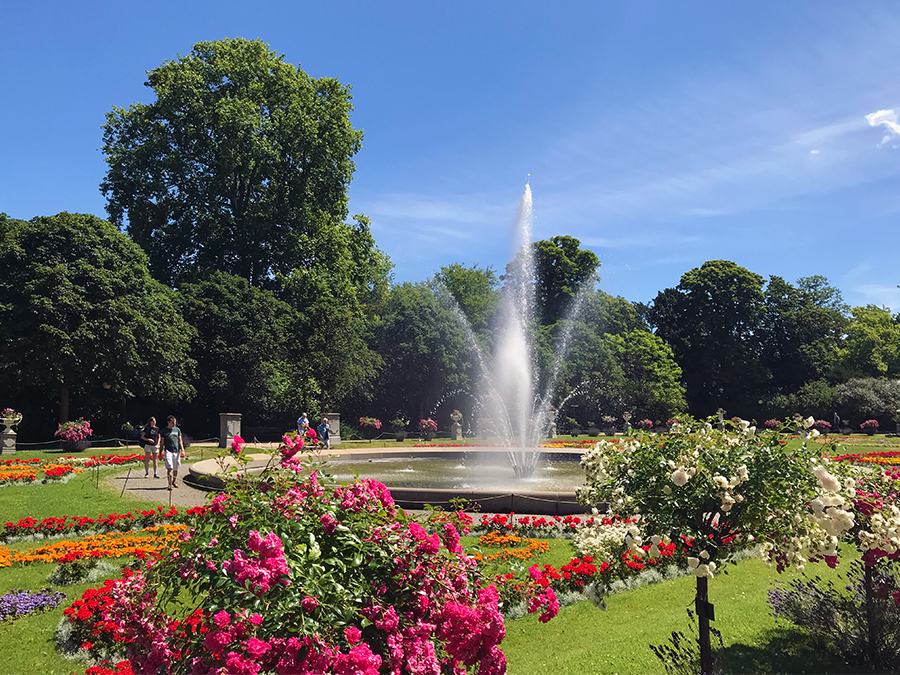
(154, 489)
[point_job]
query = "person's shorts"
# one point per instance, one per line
(149, 448)
(173, 460)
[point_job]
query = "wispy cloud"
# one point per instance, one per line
(424, 207)
(886, 118)
(880, 295)
(640, 241)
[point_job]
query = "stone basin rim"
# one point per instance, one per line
(204, 475)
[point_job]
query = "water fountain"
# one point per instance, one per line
(509, 393)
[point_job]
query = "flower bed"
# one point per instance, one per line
(309, 576)
(16, 603)
(151, 541)
(539, 526)
(884, 457)
(522, 549)
(26, 474)
(113, 522)
(578, 445)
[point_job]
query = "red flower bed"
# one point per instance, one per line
(883, 457)
(548, 526)
(113, 522)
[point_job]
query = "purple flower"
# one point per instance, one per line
(21, 603)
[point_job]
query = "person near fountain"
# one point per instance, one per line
(324, 432)
(150, 441)
(302, 425)
(173, 440)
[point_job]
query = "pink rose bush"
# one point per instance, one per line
(296, 574)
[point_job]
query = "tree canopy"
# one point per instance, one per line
(425, 349)
(79, 313)
(247, 359)
(710, 320)
(235, 166)
(474, 290)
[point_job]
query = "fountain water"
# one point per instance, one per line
(509, 392)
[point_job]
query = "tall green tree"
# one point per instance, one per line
(339, 300)
(79, 312)
(711, 321)
(425, 349)
(247, 359)
(871, 347)
(561, 269)
(234, 166)
(800, 332)
(651, 379)
(474, 290)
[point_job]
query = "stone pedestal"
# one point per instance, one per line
(334, 421)
(7, 441)
(229, 427)
(455, 431)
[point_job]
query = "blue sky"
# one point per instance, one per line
(660, 134)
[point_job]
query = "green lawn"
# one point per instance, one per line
(581, 639)
(27, 645)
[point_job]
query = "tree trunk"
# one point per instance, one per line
(870, 615)
(702, 607)
(63, 404)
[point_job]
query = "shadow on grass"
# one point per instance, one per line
(783, 651)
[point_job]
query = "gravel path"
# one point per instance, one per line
(154, 489)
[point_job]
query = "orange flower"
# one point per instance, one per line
(532, 547)
(150, 541)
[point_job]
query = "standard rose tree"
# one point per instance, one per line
(716, 492)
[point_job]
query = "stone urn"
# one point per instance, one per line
(456, 425)
(8, 434)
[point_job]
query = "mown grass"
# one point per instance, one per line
(581, 639)
(27, 645)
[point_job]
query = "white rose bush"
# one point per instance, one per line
(715, 493)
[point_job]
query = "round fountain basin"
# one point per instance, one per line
(421, 476)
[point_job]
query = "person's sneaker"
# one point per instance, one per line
(146, 475)
(156, 475)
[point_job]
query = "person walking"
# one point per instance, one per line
(150, 441)
(302, 425)
(173, 440)
(324, 431)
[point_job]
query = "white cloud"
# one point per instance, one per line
(880, 295)
(639, 241)
(814, 152)
(886, 118)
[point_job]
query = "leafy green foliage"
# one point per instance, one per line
(801, 332)
(869, 397)
(247, 358)
(235, 166)
(475, 291)
(872, 345)
(561, 268)
(80, 314)
(339, 296)
(425, 349)
(710, 320)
